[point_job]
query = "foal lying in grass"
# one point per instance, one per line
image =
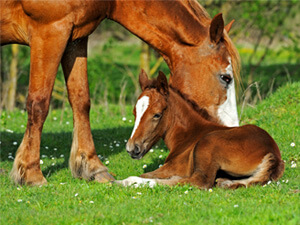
(199, 148)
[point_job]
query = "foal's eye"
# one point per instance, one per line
(157, 116)
(226, 78)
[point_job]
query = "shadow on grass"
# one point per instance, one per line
(58, 145)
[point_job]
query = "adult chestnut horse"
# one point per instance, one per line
(198, 147)
(57, 32)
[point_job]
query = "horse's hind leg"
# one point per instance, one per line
(83, 162)
(47, 46)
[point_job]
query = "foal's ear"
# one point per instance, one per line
(216, 28)
(162, 83)
(143, 79)
(228, 26)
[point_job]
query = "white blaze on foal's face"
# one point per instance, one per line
(227, 112)
(140, 108)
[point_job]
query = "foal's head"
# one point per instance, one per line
(149, 113)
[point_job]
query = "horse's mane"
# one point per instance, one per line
(152, 84)
(201, 111)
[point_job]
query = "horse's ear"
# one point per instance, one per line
(228, 26)
(162, 83)
(143, 79)
(216, 28)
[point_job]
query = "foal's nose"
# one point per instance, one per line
(133, 149)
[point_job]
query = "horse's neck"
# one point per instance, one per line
(165, 25)
(185, 126)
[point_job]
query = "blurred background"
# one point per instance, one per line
(266, 33)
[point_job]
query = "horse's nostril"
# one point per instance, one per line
(136, 150)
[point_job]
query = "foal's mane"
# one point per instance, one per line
(153, 84)
(201, 111)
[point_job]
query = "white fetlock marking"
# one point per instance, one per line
(141, 107)
(137, 182)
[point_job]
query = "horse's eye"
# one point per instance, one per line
(157, 116)
(226, 78)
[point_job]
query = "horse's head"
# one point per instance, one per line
(149, 115)
(207, 71)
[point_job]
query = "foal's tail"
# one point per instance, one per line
(271, 168)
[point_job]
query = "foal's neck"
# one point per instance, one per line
(166, 25)
(185, 125)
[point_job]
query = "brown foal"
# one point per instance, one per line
(199, 148)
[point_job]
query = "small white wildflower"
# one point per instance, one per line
(162, 150)
(22, 111)
(133, 197)
(54, 118)
(124, 118)
(10, 157)
(286, 181)
(18, 188)
(151, 150)
(144, 166)
(55, 149)
(76, 194)
(139, 193)
(92, 202)
(52, 158)
(235, 206)
(61, 156)
(15, 143)
(117, 145)
(9, 153)
(9, 131)
(41, 162)
(130, 121)
(210, 190)
(107, 162)
(8, 116)
(294, 165)
(67, 122)
(64, 184)
(264, 185)
(160, 156)
(46, 147)
(0, 142)
(20, 200)
(53, 164)
(278, 182)
(44, 156)
(160, 165)
(293, 144)
(269, 182)
(22, 126)
(186, 192)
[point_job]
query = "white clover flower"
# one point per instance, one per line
(186, 192)
(139, 193)
(160, 165)
(20, 200)
(133, 197)
(160, 156)
(151, 150)
(41, 162)
(292, 144)
(15, 143)
(53, 164)
(61, 156)
(107, 162)
(54, 118)
(22, 126)
(46, 147)
(130, 121)
(117, 145)
(67, 122)
(162, 150)
(235, 206)
(144, 166)
(124, 118)
(55, 149)
(294, 165)
(210, 190)
(92, 202)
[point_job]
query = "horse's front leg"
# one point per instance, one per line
(47, 44)
(84, 162)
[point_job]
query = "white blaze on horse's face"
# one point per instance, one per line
(227, 112)
(141, 107)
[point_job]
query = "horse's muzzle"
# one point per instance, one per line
(134, 150)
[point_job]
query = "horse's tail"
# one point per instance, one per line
(271, 168)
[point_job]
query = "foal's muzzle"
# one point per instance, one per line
(134, 150)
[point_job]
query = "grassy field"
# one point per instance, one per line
(72, 201)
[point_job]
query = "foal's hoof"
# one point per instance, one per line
(104, 177)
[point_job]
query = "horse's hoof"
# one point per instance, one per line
(104, 177)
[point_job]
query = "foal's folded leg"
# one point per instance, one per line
(84, 162)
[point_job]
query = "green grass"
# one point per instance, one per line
(72, 201)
